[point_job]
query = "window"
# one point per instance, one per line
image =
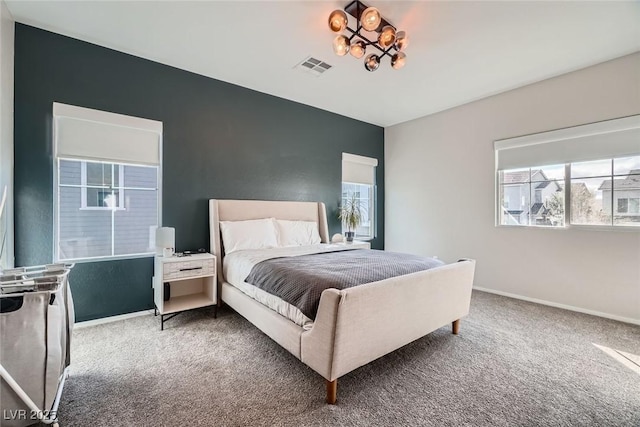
(606, 192)
(364, 194)
(545, 208)
(591, 177)
(101, 185)
(107, 197)
(358, 181)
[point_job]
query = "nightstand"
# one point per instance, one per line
(184, 283)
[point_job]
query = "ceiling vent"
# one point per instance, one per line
(314, 66)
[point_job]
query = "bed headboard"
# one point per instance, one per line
(240, 210)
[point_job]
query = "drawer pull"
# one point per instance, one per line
(192, 268)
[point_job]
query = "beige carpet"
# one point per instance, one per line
(513, 364)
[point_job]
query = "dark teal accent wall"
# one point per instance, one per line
(220, 141)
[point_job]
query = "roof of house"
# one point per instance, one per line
(538, 208)
(521, 177)
(630, 182)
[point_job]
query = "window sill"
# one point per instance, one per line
(108, 258)
(581, 227)
(96, 208)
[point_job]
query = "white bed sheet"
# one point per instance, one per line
(237, 266)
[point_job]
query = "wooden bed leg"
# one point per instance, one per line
(332, 392)
(455, 326)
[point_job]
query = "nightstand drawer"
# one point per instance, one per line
(186, 269)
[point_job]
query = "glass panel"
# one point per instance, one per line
(623, 205)
(135, 225)
(116, 175)
(626, 200)
(546, 173)
(102, 198)
(83, 233)
(626, 166)
(99, 174)
(548, 210)
(69, 172)
(515, 202)
(533, 196)
(591, 201)
(140, 176)
(591, 169)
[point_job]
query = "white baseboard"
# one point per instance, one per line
(564, 306)
(110, 319)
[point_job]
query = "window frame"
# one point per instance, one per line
(500, 207)
(56, 212)
(361, 170)
(568, 224)
(85, 187)
(371, 210)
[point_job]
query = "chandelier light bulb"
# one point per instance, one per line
(387, 36)
(398, 60)
(358, 48)
(372, 62)
(402, 40)
(337, 21)
(341, 45)
(370, 19)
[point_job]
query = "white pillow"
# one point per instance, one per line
(297, 233)
(250, 234)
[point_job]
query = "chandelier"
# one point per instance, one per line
(386, 39)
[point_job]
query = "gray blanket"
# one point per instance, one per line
(300, 280)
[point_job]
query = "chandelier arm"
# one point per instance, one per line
(368, 42)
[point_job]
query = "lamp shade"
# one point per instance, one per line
(387, 36)
(357, 49)
(402, 41)
(398, 60)
(370, 19)
(165, 238)
(337, 21)
(341, 45)
(372, 62)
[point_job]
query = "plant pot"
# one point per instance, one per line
(349, 236)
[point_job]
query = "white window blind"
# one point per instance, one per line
(609, 139)
(83, 133)
(358, 169)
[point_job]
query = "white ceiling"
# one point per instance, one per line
(458, 51)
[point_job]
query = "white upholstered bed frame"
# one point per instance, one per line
(353, 326)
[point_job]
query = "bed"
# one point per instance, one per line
(353, 326)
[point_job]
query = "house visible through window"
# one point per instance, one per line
(545, 208)
(101, 185)
(107, 195)
(608, 192)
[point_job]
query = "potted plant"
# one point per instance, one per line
(351, 215)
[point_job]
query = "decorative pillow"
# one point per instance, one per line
(250, 234)
(297, 233)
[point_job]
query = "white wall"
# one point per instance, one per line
(6, 125)
(440, 193)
